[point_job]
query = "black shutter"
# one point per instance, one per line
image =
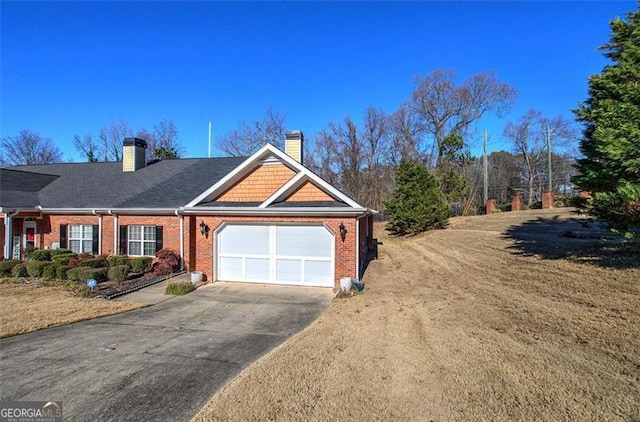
(158, 238)
(123, 240)
(63, 236)
(96, 235)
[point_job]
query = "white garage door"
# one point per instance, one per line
(279, 254)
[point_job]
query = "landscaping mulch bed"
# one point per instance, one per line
(110, 290)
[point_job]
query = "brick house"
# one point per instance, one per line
(263, 219)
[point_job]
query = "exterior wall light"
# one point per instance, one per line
(343, 231)
(204, 229)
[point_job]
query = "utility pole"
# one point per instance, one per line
(486, 167)
(550, 188)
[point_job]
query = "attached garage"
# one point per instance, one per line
(301, 255)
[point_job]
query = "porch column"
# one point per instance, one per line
(7, 236)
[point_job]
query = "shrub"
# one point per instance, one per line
(167, 261)
(118, 260)
(49, 271)
(79, 289)
(28, 251)
(63, 259)
(35, 268)
(179, 288)
(140, 264)
(74, 262)
(41, 255)
(61, 271)
(56, 252)
(118, 273)
(19, 270)
(94, 263)
(82, 274)
(6, 267)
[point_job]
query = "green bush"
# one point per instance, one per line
(49, 271)
(118, 260)
(179, 289)
(118, 273)
(94, 263)
(61, 271)
(6, 267)
(19, 270)
(76, 260)
(41, 255)
(63, 259)
(36, 268)
(82, 274)
(140, 264)
(56, 252)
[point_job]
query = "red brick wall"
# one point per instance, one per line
(198, 250)
(547, 200)
(491, 206)
(345, 252)
(516, 203)
(49, 227)
(170, 227)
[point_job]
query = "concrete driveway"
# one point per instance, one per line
(158, 363)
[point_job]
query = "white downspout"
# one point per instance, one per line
(181, 239)
(116, 229)
(358, 248)
(99, 231)
(7, 236)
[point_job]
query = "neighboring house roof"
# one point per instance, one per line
(163, 184)
(21, 188)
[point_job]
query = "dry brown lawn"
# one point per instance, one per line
(514, 316)
(26, 307)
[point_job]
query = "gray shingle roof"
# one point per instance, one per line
(163, 184)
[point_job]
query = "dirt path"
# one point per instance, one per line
(501, 317)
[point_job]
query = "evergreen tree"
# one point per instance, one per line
(610, 169)
(417, 203)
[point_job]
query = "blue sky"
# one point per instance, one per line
(73, 67)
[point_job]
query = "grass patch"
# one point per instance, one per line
(26, 307)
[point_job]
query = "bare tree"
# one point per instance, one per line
(28, 148)
(405, 137)
(445, 108)
(110, 139)
(87, 146)
(248, 138)
(529, 138)
(162, 142)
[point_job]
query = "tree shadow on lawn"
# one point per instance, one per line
(575, 239)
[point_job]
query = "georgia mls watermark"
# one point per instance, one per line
(30, 411)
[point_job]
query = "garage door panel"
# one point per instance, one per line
(231, 268)
(288, 270)
(316, 272)
(258, 269)
(241, 240)
(310, 241)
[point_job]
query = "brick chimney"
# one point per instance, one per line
(293, 144)
(133, 154)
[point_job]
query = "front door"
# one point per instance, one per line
(29, 235)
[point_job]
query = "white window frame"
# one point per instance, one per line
(141, 241)
(81, 239)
